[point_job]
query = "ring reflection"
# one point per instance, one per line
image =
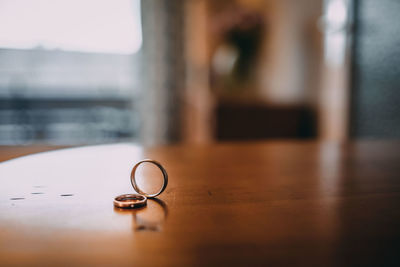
(149, 218)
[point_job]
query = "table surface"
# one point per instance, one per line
(275, 203)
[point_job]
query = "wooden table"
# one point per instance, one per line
(267, 203)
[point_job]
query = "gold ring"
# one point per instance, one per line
(133, 178)
(130, 201)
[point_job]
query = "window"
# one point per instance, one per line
(102, 26)
(69, 70)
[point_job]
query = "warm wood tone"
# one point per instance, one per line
(280, 203)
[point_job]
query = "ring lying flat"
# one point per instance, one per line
(133, 178)
(130, 201)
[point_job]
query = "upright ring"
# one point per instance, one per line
(130, 201)
(163, 171)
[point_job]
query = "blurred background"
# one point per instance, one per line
(197, 71)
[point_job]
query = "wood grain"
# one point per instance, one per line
(266, 203)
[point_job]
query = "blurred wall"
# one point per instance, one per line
(292, 49)
(376, 83)
(163, 71)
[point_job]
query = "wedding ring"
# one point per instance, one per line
(163, 171)
(130, 201)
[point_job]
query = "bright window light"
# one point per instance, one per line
(100, 26)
